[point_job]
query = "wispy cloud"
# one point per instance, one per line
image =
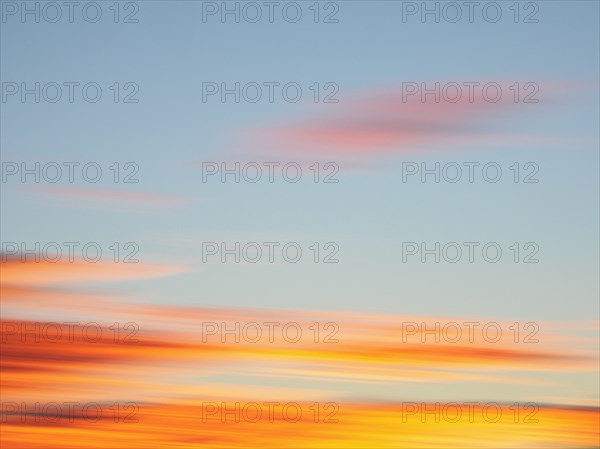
(31, 273)
(169, 360)
(373, 124)
(122, 200)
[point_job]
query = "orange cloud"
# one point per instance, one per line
(169, 360)
(29, 273)
(202, 424)
(193, 340)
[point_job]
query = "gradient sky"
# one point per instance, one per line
(369, 54)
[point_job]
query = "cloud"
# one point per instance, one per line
(169, 344)
(170, 359)
(373, 124)
(29, 273)
(201, 424)
(112, 199)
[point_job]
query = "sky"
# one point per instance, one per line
(161, 131)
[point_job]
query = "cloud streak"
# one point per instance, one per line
(170, 360)
(29, 273)
(375, 425)
(113, 199)
(374, 124)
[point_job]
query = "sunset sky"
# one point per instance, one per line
(370, 349)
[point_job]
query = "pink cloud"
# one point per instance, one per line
(376, 123)
(113, 199)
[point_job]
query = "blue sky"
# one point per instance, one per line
(171, 52)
